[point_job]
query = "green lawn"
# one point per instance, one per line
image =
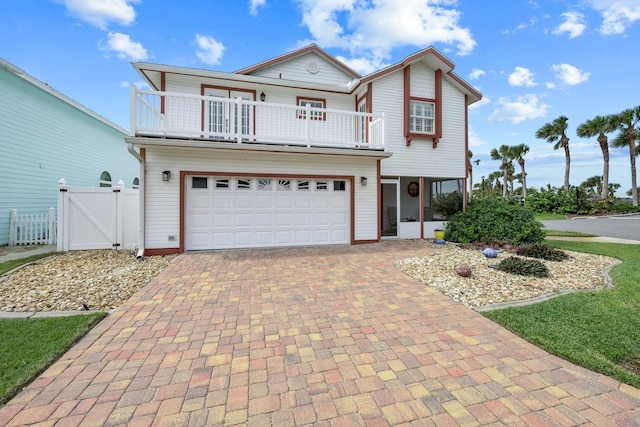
(543, 216)
(29, 346)
(567, 233)
(598, 330)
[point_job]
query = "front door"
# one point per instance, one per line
(390, 207)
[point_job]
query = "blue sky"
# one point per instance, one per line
(532, 60)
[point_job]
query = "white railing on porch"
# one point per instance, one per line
(32, 229)
(179, 115)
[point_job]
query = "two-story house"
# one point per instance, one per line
(297, 150)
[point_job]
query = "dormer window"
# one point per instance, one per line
(421, 117)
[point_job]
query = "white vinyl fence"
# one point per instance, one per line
(97, 218)
(32, 229)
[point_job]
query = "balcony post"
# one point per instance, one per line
(132, 109)
(308, 123)
(237, 113)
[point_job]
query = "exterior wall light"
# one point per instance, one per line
(263, 97)
(166, 176)
(363, 181)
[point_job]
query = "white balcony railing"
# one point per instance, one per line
(179, 115)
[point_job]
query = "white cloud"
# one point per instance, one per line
(139, 84)
(100, 12)
(570, 75)
(254, 5)
(364, 65)
(550, 85)
(476, 73)
(371, 29)
(523, 108)
(209, 50)
(617, 15)
(475, 140)
(483, 101)
(521, 77)
(524, 25)
(125, 47)
(573, 25)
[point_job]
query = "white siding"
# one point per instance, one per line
(422, 81)
(297, 69)
(420, 158)
(162, 199)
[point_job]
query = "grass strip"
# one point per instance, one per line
(29, 346)
(598, 330)
(10, 265)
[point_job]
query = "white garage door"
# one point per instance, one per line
(226, 212)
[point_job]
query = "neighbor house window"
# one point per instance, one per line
(421, 117)
(136, 183)
(313, 103)
(105, 179)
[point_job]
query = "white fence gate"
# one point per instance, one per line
(98, 218)
(32, 229)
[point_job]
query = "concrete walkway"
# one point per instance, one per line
(332, 336)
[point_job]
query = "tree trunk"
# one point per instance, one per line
(632, 155)
(524, 179)
(567, 165)
(604, 145)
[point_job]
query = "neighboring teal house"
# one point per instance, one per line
(46, 136)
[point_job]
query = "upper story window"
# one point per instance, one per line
(105, 179)
(421, 117)
(313, 103)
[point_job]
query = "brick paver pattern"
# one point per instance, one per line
(325, 336)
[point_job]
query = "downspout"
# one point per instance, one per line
(137, 155)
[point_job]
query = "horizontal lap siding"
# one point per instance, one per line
(296, 69)
(420, 158)
(162, 199)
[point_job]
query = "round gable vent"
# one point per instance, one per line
(313, 67)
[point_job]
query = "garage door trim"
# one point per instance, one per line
(350, 179)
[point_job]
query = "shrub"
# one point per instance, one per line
(523, 267)
(494, 220)
(448, 204)
(541, 251)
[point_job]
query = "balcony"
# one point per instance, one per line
(242, 121)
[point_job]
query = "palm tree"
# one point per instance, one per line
(555, 132)
(502, 153)
(600, 126)
(626, 123)
(518, 152)
(470, 169)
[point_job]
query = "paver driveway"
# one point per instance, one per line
(331, 336)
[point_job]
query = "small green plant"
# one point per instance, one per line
(541, 251)
(523, 267)
(494, 220)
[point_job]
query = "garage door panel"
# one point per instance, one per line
(266, 212)
(284, 237)
(243, 238)
(222, 220)
(244, 220)
(244, 201)
(321, 219)
(303, 201)
(223, 201)
(303, 219)
(265, 201)
(264, 219)
(264, 238)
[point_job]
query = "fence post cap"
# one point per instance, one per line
(62, 182)
(120, 184)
